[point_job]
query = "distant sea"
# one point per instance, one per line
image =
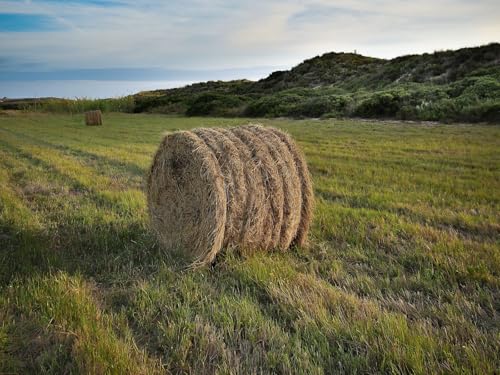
(81, 89)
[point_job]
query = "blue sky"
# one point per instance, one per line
(51, 39)
(19, 22)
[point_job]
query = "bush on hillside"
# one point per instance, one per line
(214, 104)
(277, 105)
(321, 105)
(380, 104)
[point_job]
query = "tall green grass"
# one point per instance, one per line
(79, 105)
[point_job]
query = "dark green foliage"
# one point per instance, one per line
(273, 105)
(214, 104)
(321, 105)
(482, 88)
(383, 104)
(484, 111)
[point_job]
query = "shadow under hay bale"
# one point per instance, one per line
(93, 118)
(246, 187)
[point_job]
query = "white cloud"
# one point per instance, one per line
(221, 34)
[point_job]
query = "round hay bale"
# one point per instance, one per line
(93, 118)
(245, 187)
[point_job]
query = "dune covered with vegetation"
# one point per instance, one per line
(448, 86)
(462, 85)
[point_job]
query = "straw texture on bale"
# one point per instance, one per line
(246, 187)
(93, 118)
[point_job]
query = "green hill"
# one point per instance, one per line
(461, 85)
(353, 72)
(448, 86)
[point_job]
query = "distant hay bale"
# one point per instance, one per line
(246, 187)
(93, 118)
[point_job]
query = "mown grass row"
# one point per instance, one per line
(402, 274)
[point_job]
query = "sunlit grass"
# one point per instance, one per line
(402, 274)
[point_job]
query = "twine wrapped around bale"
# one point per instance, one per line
(93, 118)
(246, 187)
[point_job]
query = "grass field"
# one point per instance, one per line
(403, 272)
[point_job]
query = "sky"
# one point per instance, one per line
(193, 40)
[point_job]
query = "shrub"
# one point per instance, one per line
(488, 111)
(321, 105)
(483, 88)
(215, 105)
(381, 104)
(274, 105)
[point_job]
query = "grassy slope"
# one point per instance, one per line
(403, 272)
